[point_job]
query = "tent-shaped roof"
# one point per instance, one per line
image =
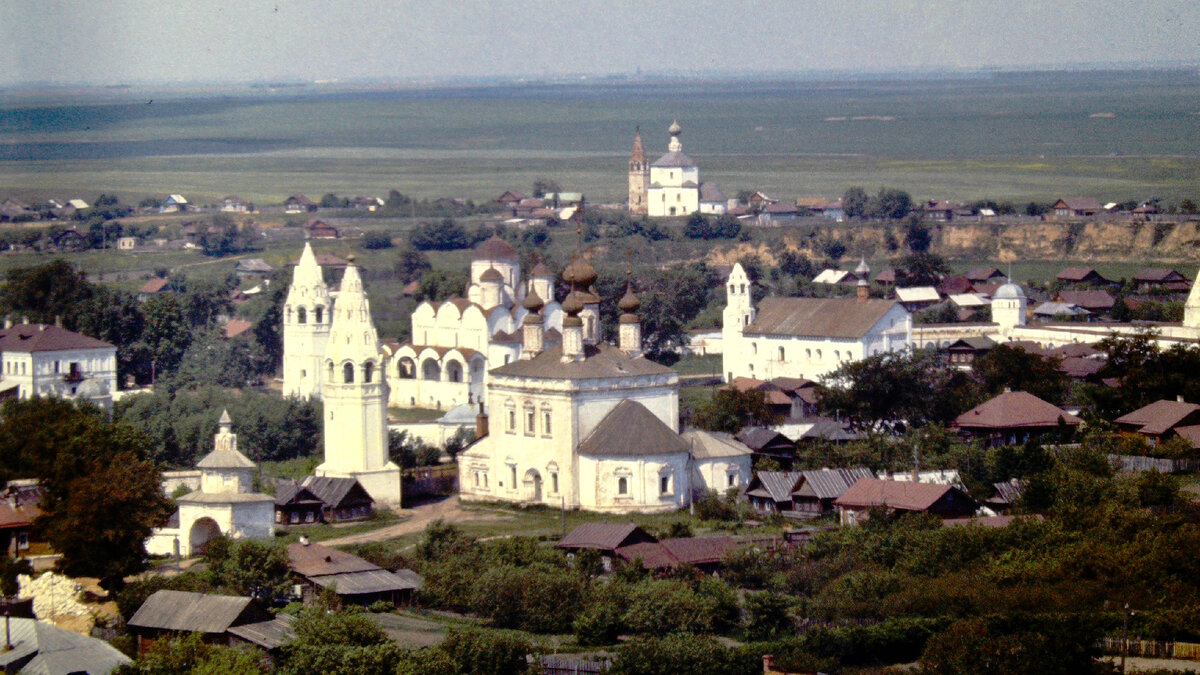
(604, 536)
(631, 430)
(1160, 417)
(1015, 409)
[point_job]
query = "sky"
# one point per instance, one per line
(104, 42)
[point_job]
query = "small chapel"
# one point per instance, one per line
(670, 185)
(584, 424)
(225, 504)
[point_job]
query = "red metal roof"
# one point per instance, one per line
(1015, 409)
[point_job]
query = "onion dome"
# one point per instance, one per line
(533, 302)
(350, 258)
(573, 304)
(674, 129)
(495, 248)
(629, 303)
(862, 268)
(540, 270)
(580, 274)
(491, 274)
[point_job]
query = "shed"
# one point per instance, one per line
(211, 615)
(603, 537)
(354, 580)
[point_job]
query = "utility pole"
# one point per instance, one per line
(1124, 636)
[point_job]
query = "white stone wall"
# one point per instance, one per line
(599, 480)
(714, 474)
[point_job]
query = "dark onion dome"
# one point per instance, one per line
(573, 304)
(629, 303)
(540, 270)
(491, 275)
(350, 258)
(495, 248)
(580, 273)
(674, 129)
(533, 302)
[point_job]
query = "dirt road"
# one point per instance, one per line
(449, 510)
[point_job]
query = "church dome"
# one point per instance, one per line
(495, 248)
(629, 303)
(540, 270)
(1009, 291)
(572, 304)
(491, 275)
(674, 129)
(580, 273)
(862, 268)
(533, 302)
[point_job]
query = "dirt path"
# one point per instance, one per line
(449, 510)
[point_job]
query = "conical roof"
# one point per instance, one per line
(352, 334)
(308, 283)
(225, 458)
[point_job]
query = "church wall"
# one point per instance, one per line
(714, 474)
(253, 519)
(599, 480)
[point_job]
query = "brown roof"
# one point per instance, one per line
(601, 361)
(1079, 203)
(317, 560)
(1079, 367)
(153, 286)
(984, 273)
(819, 317)
(17, 516)
(987, 521)
(604, 536)
(1190, 433)
(195, 612)
(1079, 274)
(1160, 417)
(903, 495)
(236, 327)
(1158, 274)
(1014, 409)
(1094, 300)
(674, 552)
(630, 430)
(495, 248)
(40, 337)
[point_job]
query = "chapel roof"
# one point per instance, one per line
(630, 430)
(674, 160)
(818, 317)
(600, 361)
(494, 248)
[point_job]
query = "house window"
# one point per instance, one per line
(56, 366)
(622, 485)
(837, 356)
(781, 353)
(308, 517)
(731, 479)
(664, 484)
(293, 517)
(301, 315)
(554, 482)
(545, 421)
(530, 419)
(22, 540)
(818, 354)
(279, 516)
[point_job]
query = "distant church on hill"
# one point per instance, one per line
(669, 186)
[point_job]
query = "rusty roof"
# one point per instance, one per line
(699, 550)
(631, 430)
(1079, 367)
(984, 273)
(818, 317)
(314, 560)
(1158, 274)
(236, 327)
(154, 286)
(1092, 299)
(902, 495)
(603, 536)
(1015, 409)
(1079, 274)
(40, 337)
(1161, 416)
(652, 554)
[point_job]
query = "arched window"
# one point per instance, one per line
(348, 373)
(368, 372)
(819, 354)
(320, 311)
(754, 348)
(808, 353)
(622, 485)
(301, 315)
(743, 289)
(837, 356)
(454, 372)
(330, 378)
(732, 289)
(406, 369)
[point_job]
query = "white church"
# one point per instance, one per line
(585, 424)
(332, 351)
(670, 185)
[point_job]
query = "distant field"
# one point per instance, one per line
(1007, 136)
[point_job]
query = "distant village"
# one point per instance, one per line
(540, 376)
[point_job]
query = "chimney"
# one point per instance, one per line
(862, 290)
(1179, 398)
(481, 423)
(7, 321)
(58, 320)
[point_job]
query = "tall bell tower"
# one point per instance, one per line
(355, 394)
(307, 315)
(739, 313)
(639, 176)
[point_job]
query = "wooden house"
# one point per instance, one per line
(298, 203)
(167, 613)
(1013, 417)
(1163, 420)
(1157, 279)
(356, 581)
(944, 501)
(1082, 276)
(342, 499)
(1076, 207)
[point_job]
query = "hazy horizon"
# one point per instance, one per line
(205, 42)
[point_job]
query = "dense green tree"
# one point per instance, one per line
(189, 654)
(213, 359)
(768, 616)
(43, 292)
(375, 240)
(252, 567)
(542, 186)
(924, 268)
(854, 202)
(730, 410)
(890, 203)
(681, 654)
(166, 334)
(1014, 368)
(917, 236)
(440, 285)
(470, 651)
(411, 264)
(445, 235)
(541, 601)
(338, 643)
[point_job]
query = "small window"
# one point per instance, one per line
(368, 372)
(731, 480)
(664, 484)
(348, 373)
(301, 315)
(319, 313)
(554, 482)
(781, 354)
(622, 486)
(476, 479)
(308, 517)
(279, 516)
(22, 540)
(530, 420)
(512, 421)
(512, 476)
(546, 422)
(293, 517)
(754, 348)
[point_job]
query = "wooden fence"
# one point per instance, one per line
(569, 665)
(1136, 463)
(1153, 649)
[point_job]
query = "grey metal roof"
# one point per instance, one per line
(410, 579)
(332, 490)
(51, 650)
(195, 612)
(714, 444)
(830, 483)
(630, 430)
(267, 634)
(674, 160)
(818, 317)
(358, 583)
(287, 492)
(778, 485)
(225, 458)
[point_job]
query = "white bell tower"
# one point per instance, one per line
(355, 395)
(739, 313)
(307, 315)
(1191, 309)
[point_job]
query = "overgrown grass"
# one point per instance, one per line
(380, 518)
(694, 364)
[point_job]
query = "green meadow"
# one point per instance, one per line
(1006, 136)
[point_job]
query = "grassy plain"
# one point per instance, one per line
(1004, 135)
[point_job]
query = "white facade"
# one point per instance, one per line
(355, 395)
(45, 360)
(805, 337)
(225, 504)
(674, 181)
(307, 317)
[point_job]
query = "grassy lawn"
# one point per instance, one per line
(415, 628)
(320, 532)
(692, 364)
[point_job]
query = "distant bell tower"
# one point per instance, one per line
(308, 313)
(639, 176)
(739, 313)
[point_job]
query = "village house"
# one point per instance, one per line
(1157, 279)
(916, 298)
(801, 494)
(765, 442)
(227, 620)
(45, 649)
(252, 268)
(1163, 420)
(323, 499)
(1097, 301)
(704, 553)
(719, 461)
(235, 204)
(1081, 276)
(963, 352)
(298, 203)
(604, 538)
(944, 501)
(1076, 207)
(1014, 417)
(985, 275)
(174, 204)
(319, 229)
(318, 568)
